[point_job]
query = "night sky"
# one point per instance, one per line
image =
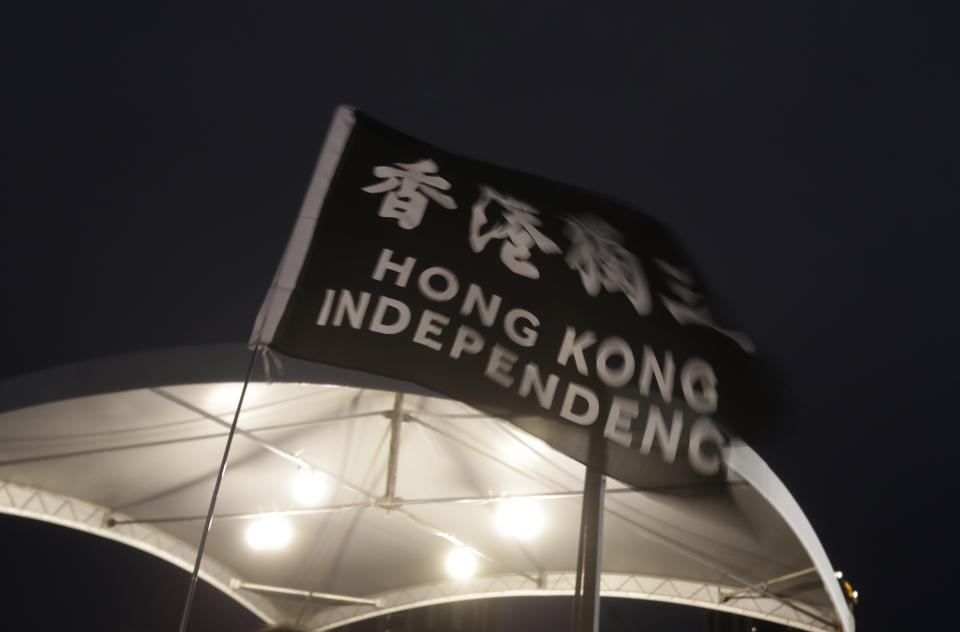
(806, 155)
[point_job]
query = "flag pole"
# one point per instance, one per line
(586, 602)
(213, 498)
(578, 588)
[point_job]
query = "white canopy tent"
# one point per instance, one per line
(128, 449)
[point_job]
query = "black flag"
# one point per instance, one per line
(562, 311)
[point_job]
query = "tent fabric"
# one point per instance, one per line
(137, 463)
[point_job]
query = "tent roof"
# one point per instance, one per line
(124, 449)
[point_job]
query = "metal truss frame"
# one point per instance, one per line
(36, 504)
(745, 599)
(621, 585)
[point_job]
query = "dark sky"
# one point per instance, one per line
(805, 153)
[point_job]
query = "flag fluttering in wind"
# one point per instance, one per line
(575, 317)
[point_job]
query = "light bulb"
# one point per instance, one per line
(269, 533)
(519, 518)
(309, 487)
(461, 563)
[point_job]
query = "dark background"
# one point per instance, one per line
(805, 153)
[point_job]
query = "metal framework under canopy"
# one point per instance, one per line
(394, 484)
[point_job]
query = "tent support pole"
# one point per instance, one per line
(586, 600)
(396, 417)
(213, 498)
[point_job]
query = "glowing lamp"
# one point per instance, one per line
(309, 487)
(269, 533)
(461, 563)
(519, 518)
